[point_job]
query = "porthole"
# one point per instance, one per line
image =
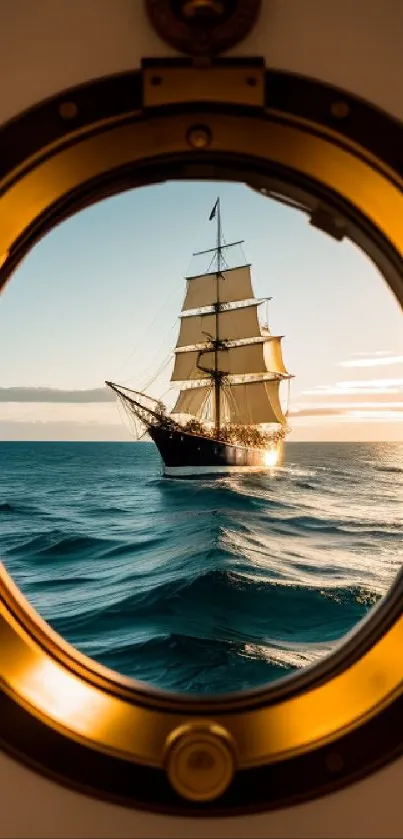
(62, 713)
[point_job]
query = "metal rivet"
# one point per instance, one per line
(199, 137)
(334, 761)
(200, 761)
(340, 110)
(251, 81)
(156, 81)
(68, 110)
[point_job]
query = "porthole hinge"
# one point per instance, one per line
(169, 82)
(326, 221)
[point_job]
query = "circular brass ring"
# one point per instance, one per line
(72, 706)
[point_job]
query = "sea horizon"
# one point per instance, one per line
(286, 443)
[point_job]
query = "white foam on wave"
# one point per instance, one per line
(288, 656)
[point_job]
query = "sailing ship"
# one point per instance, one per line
(229, 369)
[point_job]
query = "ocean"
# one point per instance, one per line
(201, 586)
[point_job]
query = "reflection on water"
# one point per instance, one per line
(207, 585)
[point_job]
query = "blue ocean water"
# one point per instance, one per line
(201, 586)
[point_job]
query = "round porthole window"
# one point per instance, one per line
(301, 534)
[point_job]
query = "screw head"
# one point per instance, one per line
(199, 137)
(334, 761)
(68, 110)
(340, 110)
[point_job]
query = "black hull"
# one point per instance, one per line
(183, 453)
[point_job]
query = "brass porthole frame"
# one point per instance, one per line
(61, 712)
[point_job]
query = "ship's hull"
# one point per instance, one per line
(189, 455)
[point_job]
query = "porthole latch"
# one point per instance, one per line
(200, 760)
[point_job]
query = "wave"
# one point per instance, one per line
(206, 661)
(18, 508)
(215, 605)
(202, 585)
(56, 543)
(394, 470)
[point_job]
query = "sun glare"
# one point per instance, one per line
(271, 457)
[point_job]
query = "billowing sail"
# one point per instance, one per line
(233, 284)
(246, 403)
(273, 356)
(232, 324)
(192, 401)
(262, 356)
(199, 402)
(253, 403)
(185, 367)
(237, 360)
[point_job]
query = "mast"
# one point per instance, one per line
(217, 376)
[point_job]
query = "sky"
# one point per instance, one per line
(98, 299)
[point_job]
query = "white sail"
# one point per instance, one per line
(273, 356)
(186, 369)
(233, 284)
(255, 403)
(192, 401)
(232, 324)
(240, 360)
(237, 360)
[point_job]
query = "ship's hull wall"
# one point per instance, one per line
(184, 454)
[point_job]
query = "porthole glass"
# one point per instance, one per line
(250, 555)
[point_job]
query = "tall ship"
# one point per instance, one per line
(228, 415)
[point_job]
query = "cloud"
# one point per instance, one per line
(376, 416)
(63, 431)
(348, 409)
(374, 352)
(376, 360)
(372, 400)
(362, 386)
(100, 413)
(48, 394)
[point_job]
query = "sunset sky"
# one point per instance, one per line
(98, 299)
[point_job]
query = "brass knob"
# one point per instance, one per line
(203, 28)
(200, 760)
(203, 8)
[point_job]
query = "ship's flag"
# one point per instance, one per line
(214, 210)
